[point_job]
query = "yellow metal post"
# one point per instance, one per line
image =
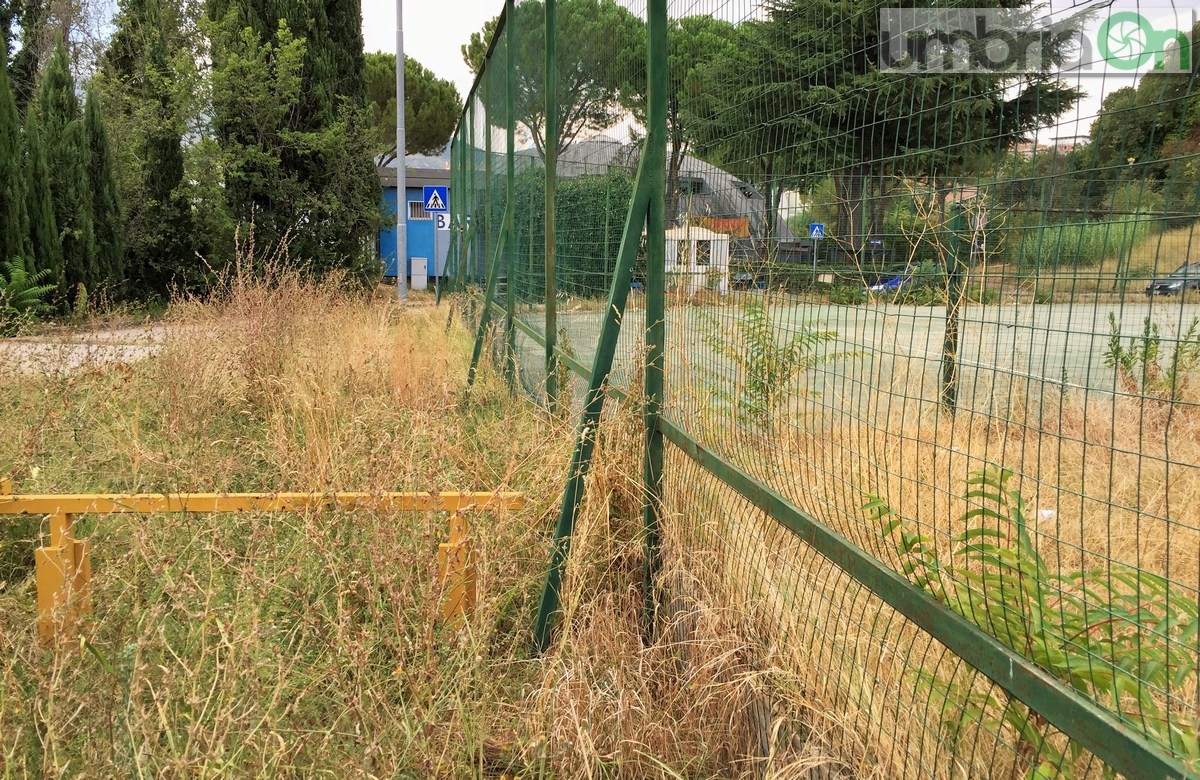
(51, 582)
(81, 586)
(56, 576)
(456, 568)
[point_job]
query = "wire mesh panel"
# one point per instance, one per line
(932, 348)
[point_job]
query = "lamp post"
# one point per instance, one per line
(401, 184)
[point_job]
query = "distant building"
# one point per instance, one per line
(1063, 145)
(697, 259)
(708, 196)
(427, 247)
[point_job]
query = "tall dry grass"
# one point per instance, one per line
(270, 644)
(265, 645)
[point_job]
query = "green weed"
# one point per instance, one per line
(1139, 364)
(1120, 636)
(22, 296)
(765, 368)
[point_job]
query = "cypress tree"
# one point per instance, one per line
(320, 174)
(26, 64)
(58, 104)
(67, 152)
(75, 223)
(10, 11)
(107, 220)
(14, 218)
(43, 229)
(346, 38)
(259, 15)
(160, 235)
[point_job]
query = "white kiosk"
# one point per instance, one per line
(697, 259)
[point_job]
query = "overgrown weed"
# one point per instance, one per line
(277, 644)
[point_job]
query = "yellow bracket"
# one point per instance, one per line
(64, 567)
(456, 570)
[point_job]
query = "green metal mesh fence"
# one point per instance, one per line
(932, 346)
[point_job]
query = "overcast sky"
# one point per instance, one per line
(433, 32)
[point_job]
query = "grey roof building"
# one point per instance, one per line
(705, 190)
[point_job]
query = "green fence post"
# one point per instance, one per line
(656, 160)
(451, 247)
(648, 185)
(470, 196)
(551, 146)
(954, 301)
(485, 314)
(510, 114)
(585, 441)
(487, 165)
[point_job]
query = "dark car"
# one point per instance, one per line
(744, 281)
(1186, 277)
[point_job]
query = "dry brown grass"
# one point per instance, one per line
(267, 645)
(274, 644)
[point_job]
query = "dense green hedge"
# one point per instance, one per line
(591, 213)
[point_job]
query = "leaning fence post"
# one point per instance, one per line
(655, 301)
(954, 299)
(650, 175)
(510, 288)
(551, 147)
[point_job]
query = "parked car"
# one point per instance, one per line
(1186, 277)
(892, 284)
(744, 281)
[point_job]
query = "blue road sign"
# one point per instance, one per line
(437, 199)
(816, 230)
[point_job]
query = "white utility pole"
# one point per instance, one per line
(401, 183)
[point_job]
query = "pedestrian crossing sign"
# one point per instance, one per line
(435, 199)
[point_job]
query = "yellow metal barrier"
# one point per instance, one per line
(64, 567)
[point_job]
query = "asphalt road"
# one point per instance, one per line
(1005, 351)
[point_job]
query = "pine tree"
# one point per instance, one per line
(14, 218)
(67, 152)
(107, 220)
(43, 229)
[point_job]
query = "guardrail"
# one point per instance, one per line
(64, 567)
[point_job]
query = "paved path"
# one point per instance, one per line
(66, 353)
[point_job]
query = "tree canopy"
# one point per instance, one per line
(601, 60)
(802, 95)
(431, 106)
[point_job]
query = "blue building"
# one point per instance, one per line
(427, 246)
